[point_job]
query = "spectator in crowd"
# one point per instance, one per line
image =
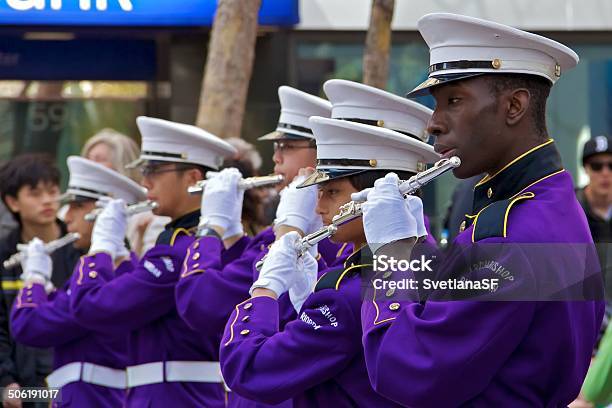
(596, 200)
(114, 150)
(29, 187)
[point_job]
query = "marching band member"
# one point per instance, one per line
(169, 363)
(317, 359)
(89, 366)
(220, 266)
(362, 103)
(490, 83)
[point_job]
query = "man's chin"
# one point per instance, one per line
(462, 173)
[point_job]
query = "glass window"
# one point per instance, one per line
(58, 117)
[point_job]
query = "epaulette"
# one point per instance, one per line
(492, 221)
(332, 278)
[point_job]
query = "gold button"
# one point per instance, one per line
(394, 306)
(196, 245)
(93, 274)
(390, 292)
(195, 265)
(380, 123)
(196, 256)
(496, 63)
(387, 274)
(373, 163)
(462, 226)
(490, 192)
(557, 70)
(245, 332)
(91, 264)
(248, 306)
(245, 318)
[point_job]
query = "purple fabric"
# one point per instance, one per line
(41, 321)
(482, 354)
(142, 303)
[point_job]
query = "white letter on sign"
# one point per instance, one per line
(24, 5)
(126, 5)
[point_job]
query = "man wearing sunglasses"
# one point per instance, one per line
(596, 200)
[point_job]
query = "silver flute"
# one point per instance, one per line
(244, 184)
(133, 209)
(352, 210)
(50, 247)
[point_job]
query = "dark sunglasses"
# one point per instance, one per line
(598, 166)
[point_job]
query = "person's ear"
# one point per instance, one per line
(193, 176)
(518, 104)
(12, 203)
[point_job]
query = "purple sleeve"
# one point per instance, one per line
(403, 341)
(207, 290)
(482, 335)
(41, 322)
(259, 362)
(100, 301)
(233, 252)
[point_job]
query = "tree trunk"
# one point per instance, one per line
(378, 44)
(228, 68)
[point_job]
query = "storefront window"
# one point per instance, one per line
(58, 117)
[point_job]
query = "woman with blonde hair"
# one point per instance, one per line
(115, 150)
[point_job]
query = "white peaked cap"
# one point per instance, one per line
(462, 46)
(345, 148)
(167, 141)
(296, 108)
(89, 179)
(365, 104)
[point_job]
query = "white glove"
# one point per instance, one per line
(386, 216)
(109, 229)
(414, 205)
(222, 202)
(297, 207)
(36, 263)
(280, 271)
(305, 282)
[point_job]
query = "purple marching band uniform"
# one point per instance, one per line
(531, 347)
(214, 280)
(89, 366)
(498, 342)
(317, 359)
(212, 283)
(169, 363)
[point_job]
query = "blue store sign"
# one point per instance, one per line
(134, 12)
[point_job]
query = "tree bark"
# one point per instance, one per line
(228, 68)
(378, 44)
